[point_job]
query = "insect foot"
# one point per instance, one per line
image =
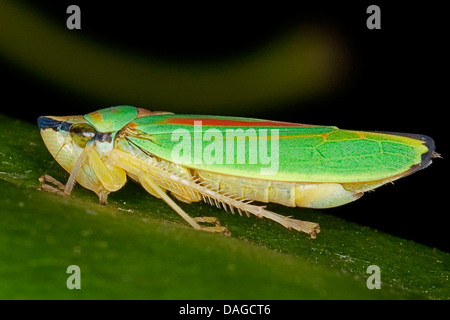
(310, 228)
(212, 220)
(57, 187)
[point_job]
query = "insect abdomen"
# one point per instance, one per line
(292, 194)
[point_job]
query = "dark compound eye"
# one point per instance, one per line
(82, 133)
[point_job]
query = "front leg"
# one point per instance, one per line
(102, 172)
(50, 184)
(56, 187)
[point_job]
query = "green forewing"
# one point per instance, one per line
(305, 153)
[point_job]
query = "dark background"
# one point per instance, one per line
(394, 81)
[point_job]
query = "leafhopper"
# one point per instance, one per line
(233, 163)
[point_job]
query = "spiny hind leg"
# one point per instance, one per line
(244, 205)
(151, 186)
(233, 201)
(311, 228)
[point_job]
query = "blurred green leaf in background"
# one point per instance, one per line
(303, 62)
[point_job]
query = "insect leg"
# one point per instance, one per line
(76, 170)
(57, 187)
(149, 184)
(66, 189)
(310, 228)
(243, 205)
(111, 177)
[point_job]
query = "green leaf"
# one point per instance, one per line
(136, 247)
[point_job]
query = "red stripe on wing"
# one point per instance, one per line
(233, 123)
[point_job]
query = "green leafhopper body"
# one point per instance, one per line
(228, 161)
